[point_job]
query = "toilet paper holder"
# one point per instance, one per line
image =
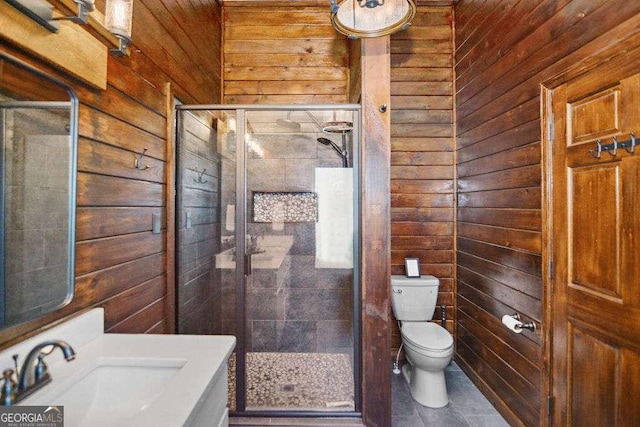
(530, 326)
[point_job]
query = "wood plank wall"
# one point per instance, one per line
(120, 264)
(283, 55)
(504, 51)
(422, 155)
(199, 289)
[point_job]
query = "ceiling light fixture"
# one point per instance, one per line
(371, 18)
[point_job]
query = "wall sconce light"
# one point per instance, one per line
(42, 12)
(118, 20)
(371, 18)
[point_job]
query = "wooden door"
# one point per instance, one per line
(595, 246)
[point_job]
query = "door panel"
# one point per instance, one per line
(588, 352)
(595, 228)
(594, 244)
(595, 116)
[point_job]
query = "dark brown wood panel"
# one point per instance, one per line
(108, 160)
(97, 254)
(501, 358)
(102, 284)
(120, 307)
(96, 222)
(504, 51)
(101, 127)
(526, 262)
(521, 135)
(522, 240)
(522, 219)
(102, 190)
(283, 55)
(141, 321)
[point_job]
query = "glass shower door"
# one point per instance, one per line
(267, 251)
(299, 264)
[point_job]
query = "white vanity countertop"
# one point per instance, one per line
(196, 361)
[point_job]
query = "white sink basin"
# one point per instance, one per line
(115, 390)
(132, 380)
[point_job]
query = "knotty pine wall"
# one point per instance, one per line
(422, 153)
(504, 51)
(120, 264)
(283, 55)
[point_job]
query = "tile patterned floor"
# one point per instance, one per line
(297, 381)
(467, 406)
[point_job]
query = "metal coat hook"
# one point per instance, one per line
(615, 147)
(200, 180)
(612, 149)
(598, 151)
(633, 144)
(138, 162)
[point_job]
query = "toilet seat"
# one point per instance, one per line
(427, 336)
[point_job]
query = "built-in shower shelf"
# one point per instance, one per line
(285, 206)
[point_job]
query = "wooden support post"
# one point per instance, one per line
(170, 212)
(375, 227)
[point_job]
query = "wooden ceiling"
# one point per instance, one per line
(316, 3)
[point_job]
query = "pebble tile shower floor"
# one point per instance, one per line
(296, 381)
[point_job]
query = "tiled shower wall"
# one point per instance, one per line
(295, 308)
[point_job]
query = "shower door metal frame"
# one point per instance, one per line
(241, 273)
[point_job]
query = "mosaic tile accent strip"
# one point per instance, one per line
(298, 381)
(285, 207)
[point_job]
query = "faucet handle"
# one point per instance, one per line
(41, 370)
(8, 395)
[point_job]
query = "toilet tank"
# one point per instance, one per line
(414, 299)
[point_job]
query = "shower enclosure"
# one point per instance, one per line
(268, 250)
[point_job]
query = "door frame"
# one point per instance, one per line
(546, 140)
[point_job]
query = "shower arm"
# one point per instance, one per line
(318, 124)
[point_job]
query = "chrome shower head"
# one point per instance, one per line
(288, 123)
(341, 153)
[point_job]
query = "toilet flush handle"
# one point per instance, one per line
(397, 291)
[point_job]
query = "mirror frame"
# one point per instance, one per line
(73, 106)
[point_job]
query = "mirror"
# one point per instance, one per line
(38, 131)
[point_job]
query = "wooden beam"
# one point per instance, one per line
(171, 211)
(72, 48)
(276, 3)
(375, 226)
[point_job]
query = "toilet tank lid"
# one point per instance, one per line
(414, 281)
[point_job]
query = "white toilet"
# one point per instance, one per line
(427, 345)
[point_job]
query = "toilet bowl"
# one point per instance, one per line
(428, 346)
(429, 349)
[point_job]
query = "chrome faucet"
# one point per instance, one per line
(30, 378)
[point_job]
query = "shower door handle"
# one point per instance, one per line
(247, 264)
